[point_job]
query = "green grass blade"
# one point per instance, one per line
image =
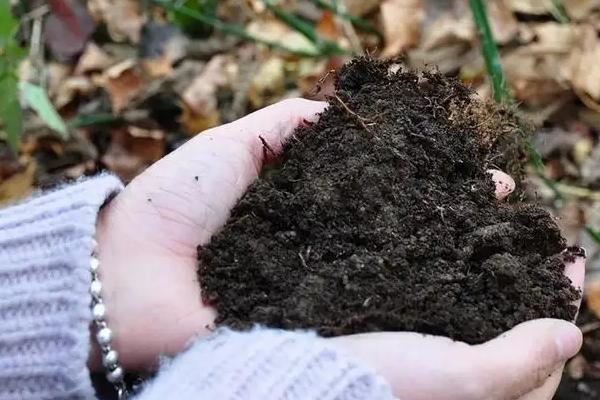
(558, 12)
(594, 233)
(490, 52)
(357, 21)
(36, 98)
(500, 90)
(82, 121)
(10, 110)
(229, 28)
(326, 47)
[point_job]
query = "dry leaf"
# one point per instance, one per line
(554, 37)
(401, 20)
(67, 28)
(326, 27)
(193, 123)
(274, 30)
(534, 78)
(360, 7)
(570, 220)
(20, 184)
(592, 292)
(534, 7)
(132, 150)
(503, 22)
(201, 95)
(316, 78)
(93, 59)
(123, 18)
(268, 83)
(576, 367)
(579, 9)
(451, 27)
(71, 87)
(123, 83)
(583, 68)
(590, 170)
(161, 46)
(57, 73)
(148, 144)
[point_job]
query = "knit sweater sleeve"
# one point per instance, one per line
(265, 364)
(45, 247)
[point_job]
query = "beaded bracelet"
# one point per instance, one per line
(110, 358)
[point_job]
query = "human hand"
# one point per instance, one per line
(148, 235)
(525, 363)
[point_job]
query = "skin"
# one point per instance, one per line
(147, 240)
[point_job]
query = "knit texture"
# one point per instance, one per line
(265, 364)
(45, 247)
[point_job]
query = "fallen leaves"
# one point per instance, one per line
(401, 21)
(123, 83)
(132, 150)
(268, 83)
(583, 68)
(161, 46)
(93, 59)
(200, 98)
(123, 18)
(67, 28)
(19, 184)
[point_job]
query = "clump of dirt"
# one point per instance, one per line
(382, 217)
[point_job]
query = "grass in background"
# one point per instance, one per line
(558, 12)
(501, 92)
(324, 48)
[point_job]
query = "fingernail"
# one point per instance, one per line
(505, 185)
(568, 340)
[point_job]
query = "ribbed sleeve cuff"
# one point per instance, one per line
(45, 246)
(265, 364)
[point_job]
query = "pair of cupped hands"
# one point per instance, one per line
(147, 245)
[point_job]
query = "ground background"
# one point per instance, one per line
(134, 80)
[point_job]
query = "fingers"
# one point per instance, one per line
(547, 390)
(523, 359)
(575, 271)
(420, 367)
(417, 367)
(505, 185)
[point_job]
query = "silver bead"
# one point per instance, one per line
(94, 264)
(98, 312)
(110, 359)
(115, 375)
(96, 288)
(104, 336)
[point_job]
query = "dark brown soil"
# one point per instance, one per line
(382, 217)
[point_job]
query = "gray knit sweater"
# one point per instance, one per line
(45, 244)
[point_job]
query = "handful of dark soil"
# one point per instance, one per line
(382, 217)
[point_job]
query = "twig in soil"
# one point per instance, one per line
(266, 147)
(318, 86)
(361, 120)
(303, 261)
(421, 136)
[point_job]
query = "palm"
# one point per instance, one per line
(148, 235)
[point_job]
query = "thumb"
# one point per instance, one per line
(522, 359)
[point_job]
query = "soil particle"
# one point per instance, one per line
(381, 216)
